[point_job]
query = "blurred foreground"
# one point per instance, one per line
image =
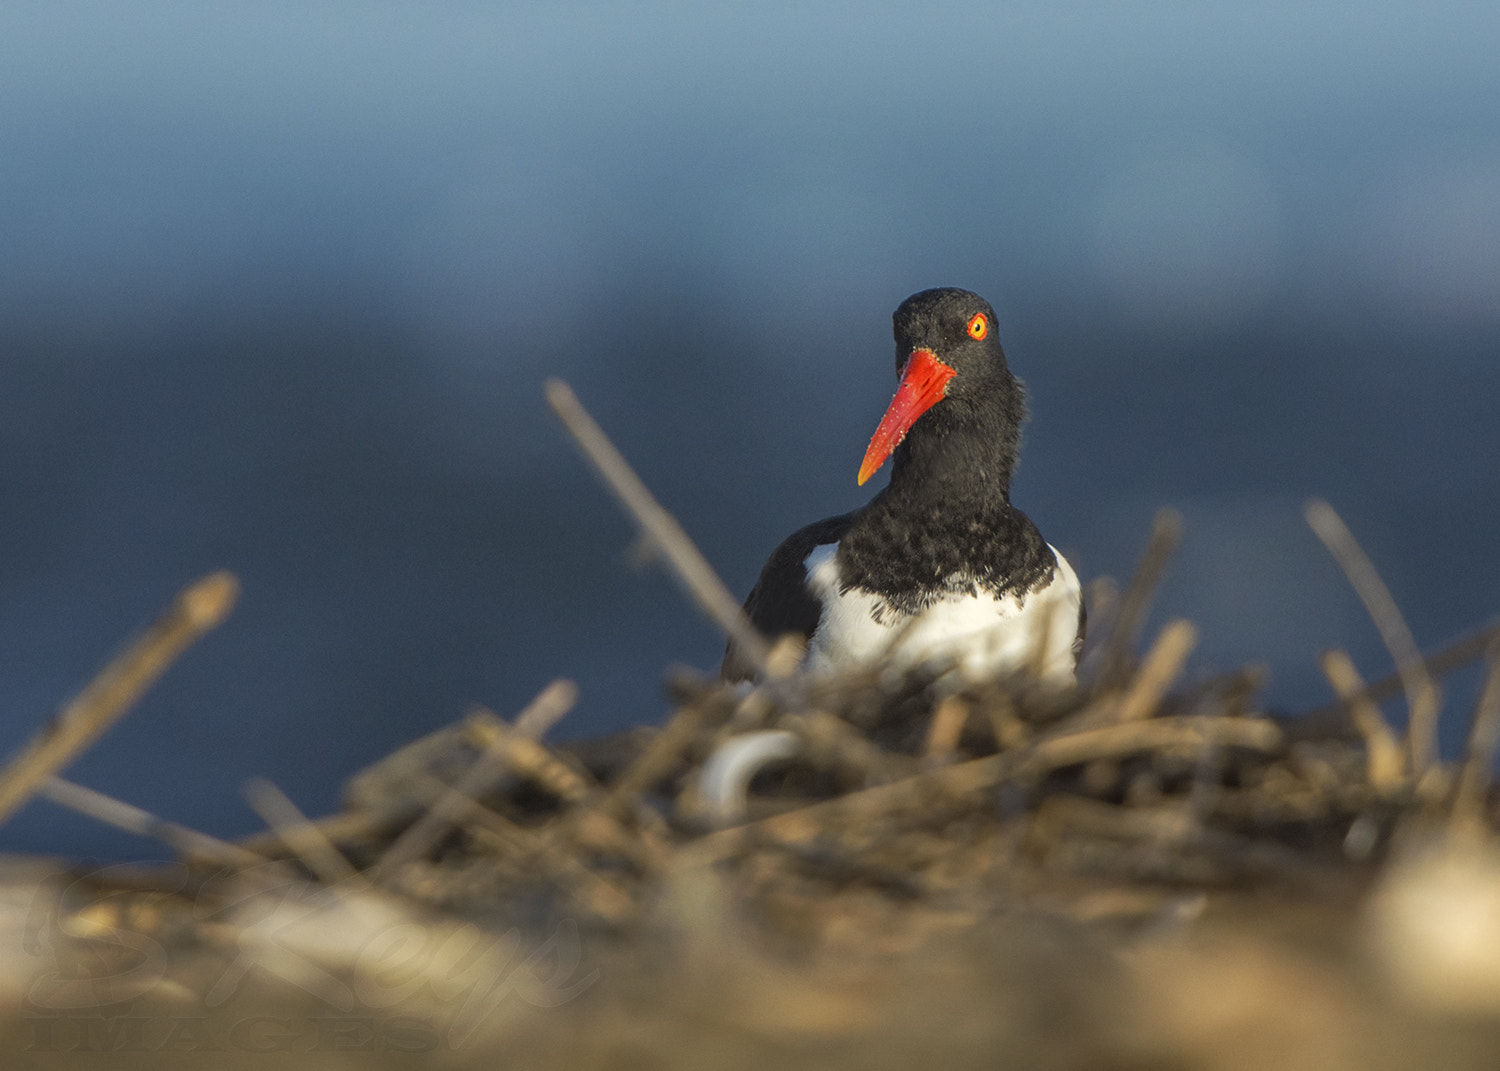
(864, 872)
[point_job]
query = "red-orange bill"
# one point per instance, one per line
(924, 382)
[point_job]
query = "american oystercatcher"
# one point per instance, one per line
(939, 568)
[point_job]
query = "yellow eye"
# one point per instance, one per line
(979, 326)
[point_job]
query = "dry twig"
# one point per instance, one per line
(1479, 754)
(692, 569)
(195, 611)
(132, 819)
(1160, 670)
(483, 776)
(944, 730)
(1114, 661)
(1383, 758)
(302, 837)
(1422, 696)
(1440, 663)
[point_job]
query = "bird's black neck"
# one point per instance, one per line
(963, 450)
(953, 463)
(945, 522)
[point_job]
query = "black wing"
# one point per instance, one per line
(780, 603)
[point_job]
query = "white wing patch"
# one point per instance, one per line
(981, 636)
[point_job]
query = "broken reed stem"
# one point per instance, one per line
(505, 836)
(343, 827)
(299, 834)
(1383, 756)
(692, 569)
(944, 730)
(1422, 696)
(1162, 666)
(549, 707)
(657, 758)
(1006, 725)
(833, 741)
(481, 778)
(527, 758)
(197, 609)
(1469, 797)
(1438, 664)
(1114, 662)
(132, 819)
(590, 816)
(1160, 825)
(606, 898)
(1154, 734)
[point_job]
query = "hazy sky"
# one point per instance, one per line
(485, 161)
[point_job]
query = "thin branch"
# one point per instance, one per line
(1479, 755)
(195, 611)
(301, 836)
(692, 569)
(657, 758)
(1383, 758)
(1161, 668)
(944, 731)
(1154, 734)
(1114, 660)
(588, 816)
(1422, 696)
(505, 836)
(132, 819)
(535, 762)
(830, 739)
(343, 827)
(483, 777)
(1441, 662)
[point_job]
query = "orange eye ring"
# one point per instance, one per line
(979, 326)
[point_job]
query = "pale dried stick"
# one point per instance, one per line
(589, 815)
(1153, 734)
(1383, 757)
(832, 740)
(944, 730)
(534, 761)
(305, 840)
(341, 828)
(1006, 726)
(506, 837)
(1422, 696)
(1114, 660)
(487, 772)
(1443, 661)
(1163, 823)
(377, 799)
(657, 759)
(1479, 754)
(1162, 666)
(692, 569)
(196, 610)
(606, 899)
(132, 819)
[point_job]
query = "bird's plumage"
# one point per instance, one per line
(938, 566)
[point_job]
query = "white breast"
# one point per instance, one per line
(981, 636)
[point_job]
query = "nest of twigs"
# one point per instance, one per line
(870, 871)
